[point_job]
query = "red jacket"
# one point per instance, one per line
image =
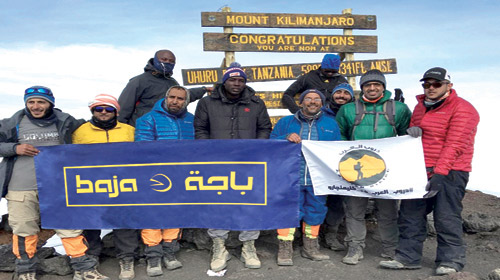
(448, 133)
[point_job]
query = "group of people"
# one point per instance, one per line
(153, 106)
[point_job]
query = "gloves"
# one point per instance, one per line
(414, 131)
(435, 184)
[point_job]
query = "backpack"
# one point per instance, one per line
(389, 111)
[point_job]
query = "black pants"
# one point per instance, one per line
(447, 210)
(126, 242)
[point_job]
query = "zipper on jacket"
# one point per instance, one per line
(308, 138)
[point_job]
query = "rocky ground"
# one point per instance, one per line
(482, 234)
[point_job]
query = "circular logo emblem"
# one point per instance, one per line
(362, 167)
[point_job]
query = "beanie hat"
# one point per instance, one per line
(39, 92)
(104, 99)
(301, 98)
(373, 75)
(344, 86)
(234, 71)
(330, 61)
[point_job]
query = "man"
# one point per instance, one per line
(373, 116)
(310, 123)
(143, 91)
(232, 111)
(447, 125)
(38, 124)
(169, 119)
(104, 127)
(341, 95)
(323, 79)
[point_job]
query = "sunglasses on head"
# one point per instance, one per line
(37, 90)
(428, 85)
(99, 109)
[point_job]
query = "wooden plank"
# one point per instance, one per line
(272, 99)
(275, 119)
(264, 73)
(274, 20)
(248, 42)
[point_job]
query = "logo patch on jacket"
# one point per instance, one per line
(247, 110)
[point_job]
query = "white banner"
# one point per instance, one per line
(391, 168)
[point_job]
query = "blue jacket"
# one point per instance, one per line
(158, 124)
(322, 128)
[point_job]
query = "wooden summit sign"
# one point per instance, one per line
(246, 42)
(272, 20)
(263, 73)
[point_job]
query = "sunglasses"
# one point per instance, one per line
(434, 85)
(37, 90)
(99, 109)
(330, 71)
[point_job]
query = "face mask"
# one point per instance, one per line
(166, 68)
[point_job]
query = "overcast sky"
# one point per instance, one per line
(82, 48)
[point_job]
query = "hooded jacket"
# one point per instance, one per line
(218, 117)
(143, 91)
(9, 128)
(161, 125)
(365, 130)
(448, 133)
(312, 80)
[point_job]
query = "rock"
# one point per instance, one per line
(7, 258)
(478, 222)
(4, 224)
(58, 265)
(463, 276)
(431, 230)
(494, 275)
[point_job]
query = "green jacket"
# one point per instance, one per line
(365, 130)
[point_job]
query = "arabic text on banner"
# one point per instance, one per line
(225, 184)
(391, 168)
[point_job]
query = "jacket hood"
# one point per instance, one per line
(150, 67)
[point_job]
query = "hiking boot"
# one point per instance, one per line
(333, 243)
(310, 250)
(285, 252)
(153, 267)
(169, 249)
(249, 255)
(393, 264)
(220, 255)
(445, 270)
(126, 269)
(354, 255)
(387, 255)
(27, 276)
(93, 274)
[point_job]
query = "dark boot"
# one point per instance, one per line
(310, 250)
(285, 252)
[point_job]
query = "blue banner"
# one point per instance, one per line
(224, 184)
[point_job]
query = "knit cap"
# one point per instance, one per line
(330, 61)
(39, 92)
(373, 75)
(344, 86)
(104, 99)
(234, 71)
(301, 98)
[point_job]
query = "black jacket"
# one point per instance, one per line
(311, 80)
(143, 91)
(217, 117)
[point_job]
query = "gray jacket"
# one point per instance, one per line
(9, 128)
